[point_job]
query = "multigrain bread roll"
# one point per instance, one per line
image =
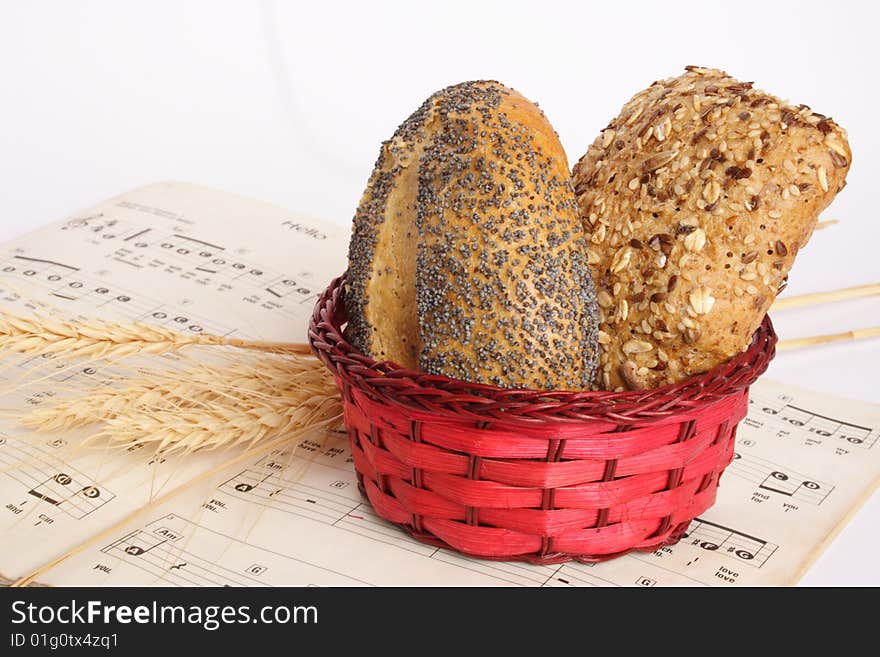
(696, 200)
(467, 256)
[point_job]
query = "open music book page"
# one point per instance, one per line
(172, 254)
(804, 462)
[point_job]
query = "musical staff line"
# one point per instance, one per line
(713, 537)
(779, 479)
(127, 303)
(51, 481)
(202, 242)
(815, 426)
(138, 234)
(511, 572)
(830, 419)
(205, 262)
(300, 499)
(653, 562)
(150, 549)
(46, 262)
(363, 520)
(161, 557)
(129, 263)
(574, 574)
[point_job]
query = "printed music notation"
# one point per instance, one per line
(169, 550)
(333, 452)
(67, 284)
(159, 555)
(364, 521)
(814, 426)
(200, 258)
(714, 537)
(301, 499)
(335, 501)
(49, 480)
(273, 480)
(510, 572)
(578, 575)
(778, 479)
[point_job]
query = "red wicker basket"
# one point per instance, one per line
(535, 476)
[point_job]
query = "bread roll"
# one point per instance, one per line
(697, 199)
(467, 256)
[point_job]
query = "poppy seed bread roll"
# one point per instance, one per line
(467, 256)
(697, 198)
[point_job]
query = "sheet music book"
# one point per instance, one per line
(202, 260)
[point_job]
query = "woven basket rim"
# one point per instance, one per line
(440, 396)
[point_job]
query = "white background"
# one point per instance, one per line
(288, 103)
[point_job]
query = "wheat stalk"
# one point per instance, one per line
(216, 428)
(104, 340)
(257, 389)
(199, 406)
(290, 380)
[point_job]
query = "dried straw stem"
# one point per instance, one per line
(856, 334)
(827, 297)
